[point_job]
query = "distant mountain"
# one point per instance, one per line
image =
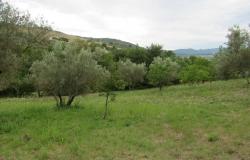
(199, 52)
(108, 41)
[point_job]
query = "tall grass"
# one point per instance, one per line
(208, 121)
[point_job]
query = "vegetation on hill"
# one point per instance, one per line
(26, 42)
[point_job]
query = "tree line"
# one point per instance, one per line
(33, 61)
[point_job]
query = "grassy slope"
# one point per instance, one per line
(209, 121)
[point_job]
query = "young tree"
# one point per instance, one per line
(106, 88)
(162, 72)
(131, 73)
(67, 71)
(107, 85)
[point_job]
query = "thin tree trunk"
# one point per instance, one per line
(19, 93)
(247, 78)
(57, 103)
(129, 87)
(38, 93)
(106, 106)
(248, 81)
(160, 87)
(245, 75)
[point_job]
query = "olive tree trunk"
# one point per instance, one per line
(70, 100)
(60, 101)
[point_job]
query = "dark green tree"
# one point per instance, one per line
(233, 61)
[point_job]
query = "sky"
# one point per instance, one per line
(175, 24)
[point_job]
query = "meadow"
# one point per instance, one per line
(205, 121)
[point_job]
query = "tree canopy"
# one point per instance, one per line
(162, 72)
(21, 42)
(67, 71)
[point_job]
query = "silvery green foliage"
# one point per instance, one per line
(67, 71)
(131, 73)
(162, 71)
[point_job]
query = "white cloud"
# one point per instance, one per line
(178, 24)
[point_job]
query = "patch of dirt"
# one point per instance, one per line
(167, 133)
(1, 158)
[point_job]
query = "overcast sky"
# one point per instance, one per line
(174, 24)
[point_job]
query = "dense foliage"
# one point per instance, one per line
(67, 70)
(162, 71)
(197, 70)
(130, 73)
(22, 41)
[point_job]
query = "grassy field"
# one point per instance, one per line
(208, 121)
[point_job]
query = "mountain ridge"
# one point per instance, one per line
(196, 52)
(108, 41)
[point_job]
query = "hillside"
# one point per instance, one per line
(123, 44)
(206, 121)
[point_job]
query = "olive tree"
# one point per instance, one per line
(67, 71)
(162, 72)
(131, 73)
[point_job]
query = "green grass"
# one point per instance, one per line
(208, 121)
